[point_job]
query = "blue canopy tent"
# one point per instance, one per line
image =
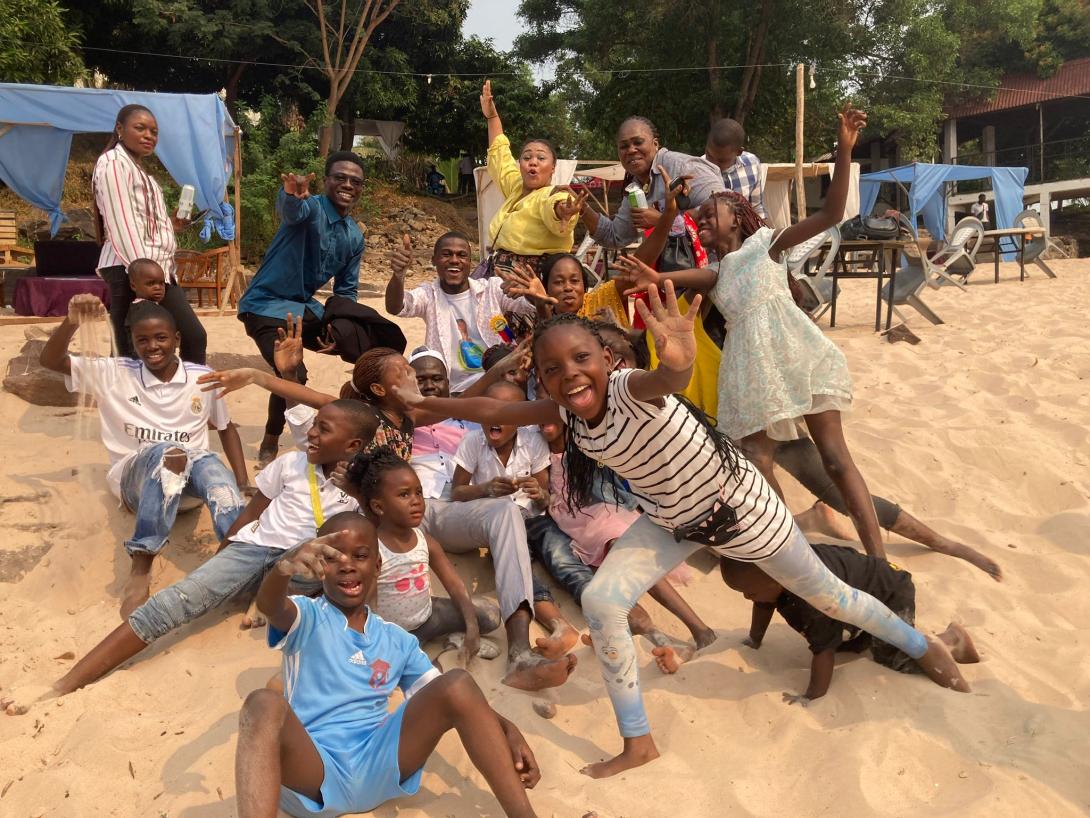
(198, 142)
(927, 191)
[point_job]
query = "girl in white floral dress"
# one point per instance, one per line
(777, 365)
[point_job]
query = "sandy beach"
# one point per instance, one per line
(981, 430)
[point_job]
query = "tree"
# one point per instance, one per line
(344, 29)
(36, 45)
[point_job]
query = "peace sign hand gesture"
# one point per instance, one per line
(521, 281)
(297, 185)
(288, 347)
(570, 207)
(675, 342)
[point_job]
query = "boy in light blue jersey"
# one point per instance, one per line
(329, 745)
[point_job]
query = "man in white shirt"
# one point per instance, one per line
(155, 420)
(981, 210)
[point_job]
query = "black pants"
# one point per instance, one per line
(194, 338)
(263, 331)
(465, 183)
(802, 460)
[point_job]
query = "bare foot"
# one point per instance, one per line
(637, 752)
(960, 643)
(940, 667)
(670, 658)
(267, 453)
(253, 618)
(705, 637)
(22, 700)
(821, 519)
(974, 557)
(135, 593)
(534, 672)
(562, 639)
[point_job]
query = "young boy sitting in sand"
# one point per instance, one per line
(154, 423)
(294, 497)
(328, 745)
(825, 635)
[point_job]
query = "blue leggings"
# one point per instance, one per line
(645, 553)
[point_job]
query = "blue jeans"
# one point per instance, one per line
(550, 546)
(646, 553)
(153, 493)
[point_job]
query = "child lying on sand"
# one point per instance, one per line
(825, 635)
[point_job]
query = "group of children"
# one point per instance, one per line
(566, 448)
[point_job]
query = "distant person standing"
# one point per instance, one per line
(133, 223)
(318, 240)
(741, 169)
(465, 174)
(981, 210)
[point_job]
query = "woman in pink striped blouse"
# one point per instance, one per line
(134, 224)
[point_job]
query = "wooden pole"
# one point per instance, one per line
(235, 244)
(800, 108)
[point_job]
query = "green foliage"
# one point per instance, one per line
(36, 45)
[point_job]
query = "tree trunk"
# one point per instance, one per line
(231, 88)
(715, 83)
(348, 132)
(755, 52)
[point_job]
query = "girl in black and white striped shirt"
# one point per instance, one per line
(696, 490)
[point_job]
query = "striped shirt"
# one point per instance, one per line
(744, 178)
(134, 214)
(670, 462)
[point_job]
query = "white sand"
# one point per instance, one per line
(980, 430)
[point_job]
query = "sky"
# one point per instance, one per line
(495, 19)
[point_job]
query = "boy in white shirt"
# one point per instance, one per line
(463, 316)
(294, 497)
(154, 423)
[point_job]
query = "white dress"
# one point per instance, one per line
(777, 365)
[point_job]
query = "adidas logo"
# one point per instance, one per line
(135, 399)
(358, 658)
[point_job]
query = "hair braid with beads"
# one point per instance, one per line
(744, 215)
(581, 471)
(366, 373)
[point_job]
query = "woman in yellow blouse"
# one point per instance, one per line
(536, 218)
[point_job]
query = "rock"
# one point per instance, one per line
(33, 383)
(546, 710)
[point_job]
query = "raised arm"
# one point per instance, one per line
(852, 122)
(82, 307)
(293, 202)
(229, 380)
(488, 108)
(306, 560)
(401, 260)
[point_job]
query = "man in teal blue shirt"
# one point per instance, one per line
(317, 241)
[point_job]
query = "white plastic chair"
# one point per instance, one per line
(818, 291)
(958, 257)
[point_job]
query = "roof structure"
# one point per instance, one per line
(1021, 90)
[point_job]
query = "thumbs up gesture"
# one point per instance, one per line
(401, 259)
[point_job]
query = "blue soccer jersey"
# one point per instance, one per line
(337, 680)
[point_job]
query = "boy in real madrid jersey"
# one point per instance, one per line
(294, 496)
(154, 421)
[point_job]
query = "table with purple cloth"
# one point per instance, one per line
(35, 295)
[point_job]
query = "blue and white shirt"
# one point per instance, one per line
(337, 680)
(744, 177)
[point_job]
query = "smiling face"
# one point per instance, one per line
(452, 259)
(139, 133)
(343, 185)
(565, 284)
(574, 369)
(636, 148)
(715, 223)
(552, 432)
(399, 500)
(156, 344)
(431, 377)
(536, 164)
(332, 437)
(349, 583)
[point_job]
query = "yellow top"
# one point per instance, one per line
(526, 225)
(605, 297)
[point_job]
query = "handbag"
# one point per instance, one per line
(875, 228)
(678, 254)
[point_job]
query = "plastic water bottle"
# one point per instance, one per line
(636, 196)
(185, 202)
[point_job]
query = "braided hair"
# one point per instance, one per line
(367, 469)
(581, 471)
(744, 215)
(366, 373)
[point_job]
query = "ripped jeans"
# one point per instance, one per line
(154, 493)
(645, 553)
